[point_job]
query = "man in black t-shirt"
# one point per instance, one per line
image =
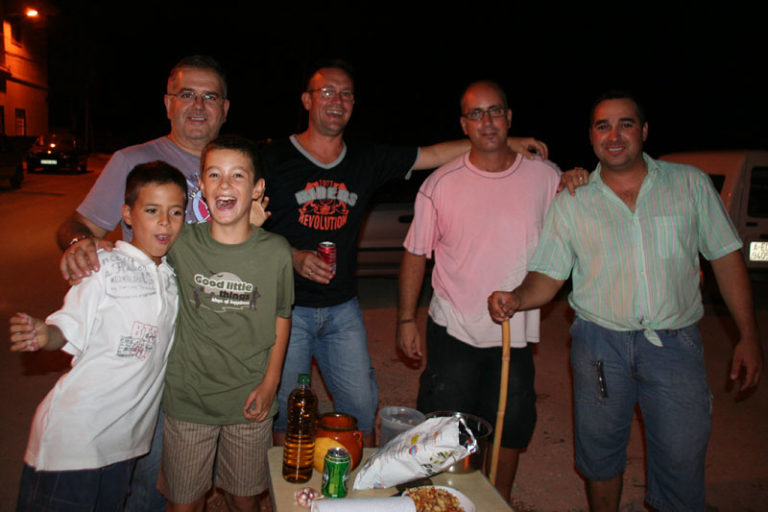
(319, 188)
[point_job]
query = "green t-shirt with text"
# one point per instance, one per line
(229, 298)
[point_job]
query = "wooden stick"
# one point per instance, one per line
(502, 401)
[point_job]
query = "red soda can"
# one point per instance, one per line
(327, 253)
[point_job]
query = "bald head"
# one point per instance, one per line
(483, 86)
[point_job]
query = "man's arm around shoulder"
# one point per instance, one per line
(77, 226)
(443, 152)
(80, 239)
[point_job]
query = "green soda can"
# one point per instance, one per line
(336, 473)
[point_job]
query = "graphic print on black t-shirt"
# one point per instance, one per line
(313, 202)
(324, 205)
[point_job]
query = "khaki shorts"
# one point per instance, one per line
(189, 450)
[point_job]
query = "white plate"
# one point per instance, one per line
(464, 502)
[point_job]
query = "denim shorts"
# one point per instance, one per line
(102, 489)
(460, 377)
(335, 336)
(614, 370)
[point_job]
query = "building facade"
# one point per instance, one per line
(23, 72)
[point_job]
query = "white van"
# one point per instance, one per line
(741, 177)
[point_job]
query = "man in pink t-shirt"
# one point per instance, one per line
(480, 215)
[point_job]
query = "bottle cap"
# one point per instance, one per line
(304, 379)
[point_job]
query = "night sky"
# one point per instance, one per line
(698, 70)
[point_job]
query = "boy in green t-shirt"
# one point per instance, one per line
(235, 296)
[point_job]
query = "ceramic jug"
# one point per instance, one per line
(342, 428)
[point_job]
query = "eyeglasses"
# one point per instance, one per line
(191, 97)
(330, 92)
(478, 114)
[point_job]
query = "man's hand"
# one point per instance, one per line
(529, 147)
(409, 339)
(258, 403)
(28, 334)
(259, 213)
(80, 259)
(733, 281)
(503, 305)
(747, 355)
(309, 265)
(573, 179)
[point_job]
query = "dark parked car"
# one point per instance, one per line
(57, 151)
(11, 161)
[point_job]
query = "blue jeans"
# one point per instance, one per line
(670, 385)
(144, 496)
(336, 337)
(101, 489)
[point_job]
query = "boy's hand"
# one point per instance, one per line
(79, 260)
(259, 213)
(28, 334)
(258, 403)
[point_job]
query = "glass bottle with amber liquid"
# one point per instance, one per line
(299, 447)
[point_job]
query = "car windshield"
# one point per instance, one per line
(55, 138)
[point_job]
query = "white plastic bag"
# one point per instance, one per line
(422, 451)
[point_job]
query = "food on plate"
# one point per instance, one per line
(433, 499)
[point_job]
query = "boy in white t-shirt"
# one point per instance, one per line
(118, 325)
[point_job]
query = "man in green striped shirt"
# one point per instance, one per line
(632, 239)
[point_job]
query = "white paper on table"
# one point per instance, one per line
(398, 504)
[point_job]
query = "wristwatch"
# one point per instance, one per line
(77, 239)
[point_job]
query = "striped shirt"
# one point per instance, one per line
(637, 270)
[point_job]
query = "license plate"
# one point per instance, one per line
(758, 251)
(49, 162)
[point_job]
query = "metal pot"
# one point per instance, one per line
(482, 431)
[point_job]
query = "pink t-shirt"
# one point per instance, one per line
(483, 227)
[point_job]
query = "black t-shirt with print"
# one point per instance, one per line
(313, 202)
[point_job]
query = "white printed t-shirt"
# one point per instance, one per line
(483, 228)
(119, 325)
